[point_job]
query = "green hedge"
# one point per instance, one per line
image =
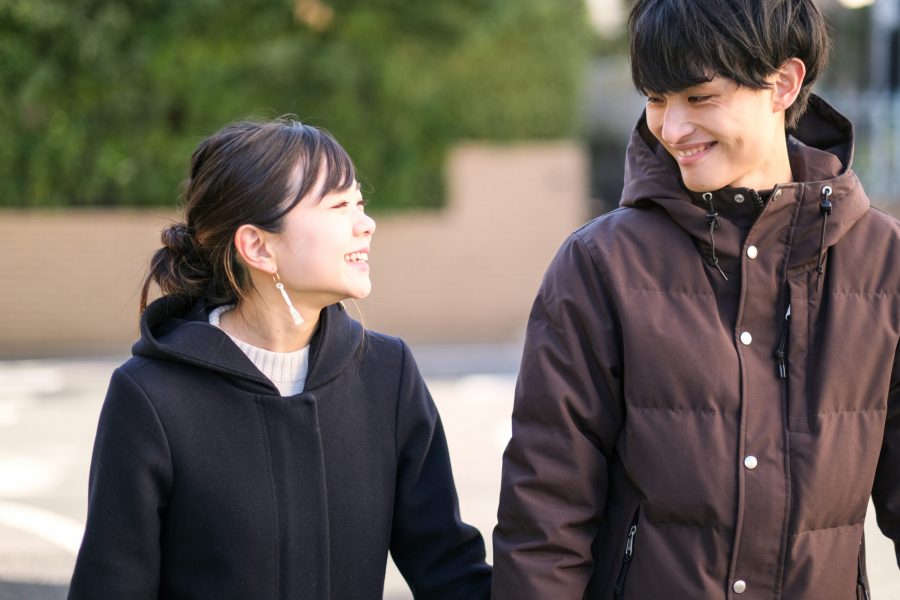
(103, 102)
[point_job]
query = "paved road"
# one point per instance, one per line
(49, 409)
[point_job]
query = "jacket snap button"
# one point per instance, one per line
(746, 338)
(739, 586)
(739, 198)
(752, 252)
(750, 462)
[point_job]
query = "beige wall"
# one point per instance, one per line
(468, 273)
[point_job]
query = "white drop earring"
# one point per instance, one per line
(295, 314)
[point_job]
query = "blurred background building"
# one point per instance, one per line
(462, 118)
(101, 104)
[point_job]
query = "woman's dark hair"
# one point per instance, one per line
(247, 173)
(676, 44)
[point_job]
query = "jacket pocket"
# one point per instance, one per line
(619, 592)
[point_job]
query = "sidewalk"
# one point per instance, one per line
(48, 414)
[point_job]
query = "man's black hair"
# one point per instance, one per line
(677, 44)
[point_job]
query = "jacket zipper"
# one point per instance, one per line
(781, 350)
(626, 560)
(757, 201)
(861, 581)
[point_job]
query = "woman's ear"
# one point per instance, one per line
(788, 81)
(252, 245)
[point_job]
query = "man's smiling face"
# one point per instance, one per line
(721, 134)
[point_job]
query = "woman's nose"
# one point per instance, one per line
(365, 225)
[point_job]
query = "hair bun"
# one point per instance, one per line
(179, 239)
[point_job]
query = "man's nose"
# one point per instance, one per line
(676, 125)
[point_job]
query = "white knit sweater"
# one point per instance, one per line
(287, 370)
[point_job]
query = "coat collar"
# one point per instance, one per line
(177, 329)
(820, 151)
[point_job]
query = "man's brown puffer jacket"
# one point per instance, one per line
(680, 435)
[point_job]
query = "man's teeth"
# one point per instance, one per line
(357, 257)
(692, 151)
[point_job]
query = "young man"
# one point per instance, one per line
(710, 389)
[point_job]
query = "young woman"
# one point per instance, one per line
(261, 443)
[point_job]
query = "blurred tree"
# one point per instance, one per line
(101, 103)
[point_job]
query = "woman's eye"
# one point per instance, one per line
(698, 99)
(654, 100)
(342, 205)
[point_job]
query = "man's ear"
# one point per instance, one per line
(788, 80)
(251, 244)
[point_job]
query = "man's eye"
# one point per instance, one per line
(698, 99)
(654, 100)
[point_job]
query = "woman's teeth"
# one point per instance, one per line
(357, 257)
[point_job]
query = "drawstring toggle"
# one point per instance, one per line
(712, 221)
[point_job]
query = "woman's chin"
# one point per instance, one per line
(359, 294)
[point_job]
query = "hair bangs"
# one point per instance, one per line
(323, 166)
(677, 44)
(340, 174)
(670, 71)
(665, 57)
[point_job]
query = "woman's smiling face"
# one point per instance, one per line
(322, 249)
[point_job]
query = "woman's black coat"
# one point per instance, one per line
(206, 483)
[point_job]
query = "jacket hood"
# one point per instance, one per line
(820, 150)
(177, 329)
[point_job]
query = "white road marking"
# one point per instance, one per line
(57, 529)
(23, 477)
(23, 381)
(502, 435)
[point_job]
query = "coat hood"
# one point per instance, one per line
(177, 329)
(820, 150)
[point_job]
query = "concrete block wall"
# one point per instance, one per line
(70, 279)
